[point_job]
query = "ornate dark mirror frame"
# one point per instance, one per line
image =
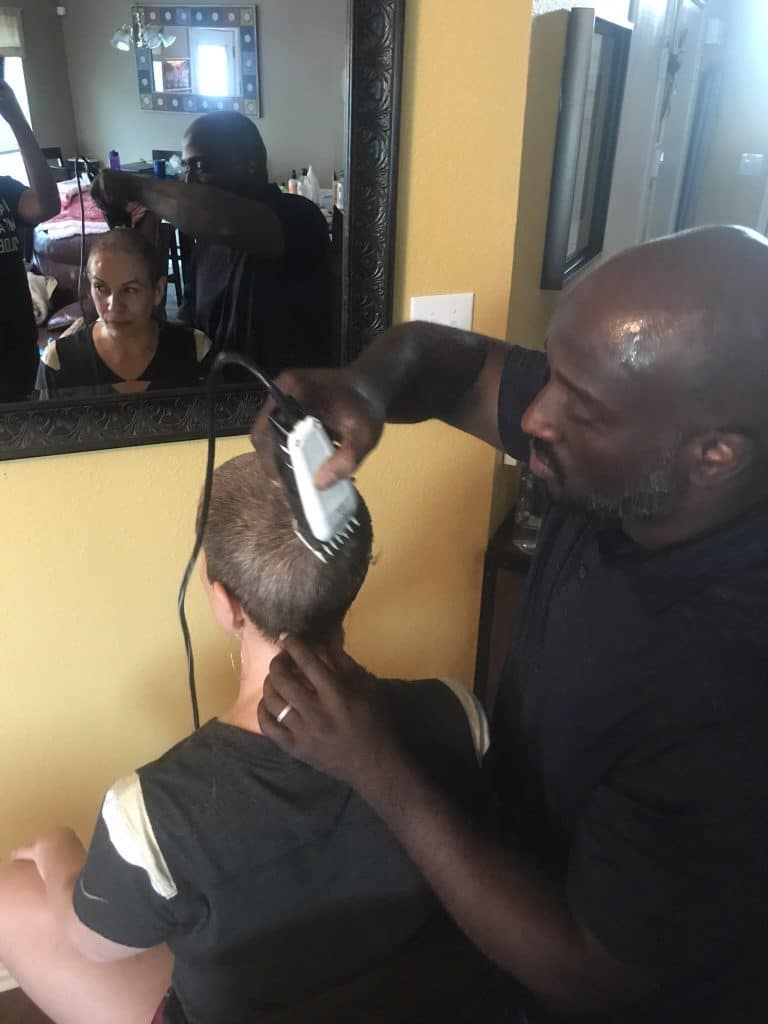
(375, 49)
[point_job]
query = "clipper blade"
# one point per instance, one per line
(326, 550)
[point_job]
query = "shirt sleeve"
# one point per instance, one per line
(11, 191)
(524, 375)
(125, 891)
(669, 869)
(307, 242)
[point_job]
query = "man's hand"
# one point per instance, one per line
(112, 191)
(336, 723)
(353, 415)
(9, 105)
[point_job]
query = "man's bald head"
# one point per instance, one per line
(659, 365)
(691, 308)
(228, 148)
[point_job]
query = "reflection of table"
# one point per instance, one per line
(139, 167)
(504, 572)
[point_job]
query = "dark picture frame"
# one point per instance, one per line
(592, 93)
(375, 53)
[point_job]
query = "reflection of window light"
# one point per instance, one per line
(213, 70)
(11, 162)
(157, 74)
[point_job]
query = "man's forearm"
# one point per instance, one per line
(211, 214)
(420, 371)
(511, 912)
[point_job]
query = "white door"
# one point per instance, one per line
(656, 119)
(214, 61)
(672, 136)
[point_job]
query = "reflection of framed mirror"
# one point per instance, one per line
(373, 49)
(594, 72)
(211, 61)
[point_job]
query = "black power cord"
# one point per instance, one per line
(291, 412)
(78, 161)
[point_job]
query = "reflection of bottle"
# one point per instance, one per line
(527, 513)
(114, 160)
(340, 193)
(313, 186)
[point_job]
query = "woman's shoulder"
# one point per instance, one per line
(179, 335)
(61, 350)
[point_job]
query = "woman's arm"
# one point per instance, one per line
(59, 857)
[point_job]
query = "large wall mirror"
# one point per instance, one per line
(325, 92)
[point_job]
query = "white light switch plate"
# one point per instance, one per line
(450, 310)
(751, 165)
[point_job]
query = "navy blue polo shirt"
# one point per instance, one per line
(630, 745)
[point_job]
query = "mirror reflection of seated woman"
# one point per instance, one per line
(129, 348)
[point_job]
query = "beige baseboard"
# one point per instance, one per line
(6, 981)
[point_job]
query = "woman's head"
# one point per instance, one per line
(252, 550)
(127, 279)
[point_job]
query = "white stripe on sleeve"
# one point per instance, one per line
(130, 830)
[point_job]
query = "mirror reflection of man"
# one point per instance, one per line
(20, 205)
(258, 281)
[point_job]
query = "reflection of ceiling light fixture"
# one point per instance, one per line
(121, 40)
(140, 36)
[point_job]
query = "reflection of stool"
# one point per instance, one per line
(167, 242)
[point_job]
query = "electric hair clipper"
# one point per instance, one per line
(325, 519)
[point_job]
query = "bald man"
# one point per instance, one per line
(629, 878)
(259, 277)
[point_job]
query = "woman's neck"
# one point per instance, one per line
(256, 654)
(127, 353)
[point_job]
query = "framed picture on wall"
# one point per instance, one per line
(177, 75)
(594, 74)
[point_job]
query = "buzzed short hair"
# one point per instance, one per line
(127, 240)
(252, 549)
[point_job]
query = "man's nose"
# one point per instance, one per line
(542, 417)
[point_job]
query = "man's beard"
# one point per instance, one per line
(651, 497)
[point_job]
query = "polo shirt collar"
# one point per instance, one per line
(664, 577)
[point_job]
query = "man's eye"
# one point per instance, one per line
(581, 417)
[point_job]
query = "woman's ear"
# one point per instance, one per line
(160, 288)
(227, 610)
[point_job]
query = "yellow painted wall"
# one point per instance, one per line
(92, 676)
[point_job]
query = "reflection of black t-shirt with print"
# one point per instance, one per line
(18, 333)
(71, 367)
(278, 312)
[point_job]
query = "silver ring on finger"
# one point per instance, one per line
(284, 714)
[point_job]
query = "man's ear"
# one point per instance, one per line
(718, 457)
(227, 609)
